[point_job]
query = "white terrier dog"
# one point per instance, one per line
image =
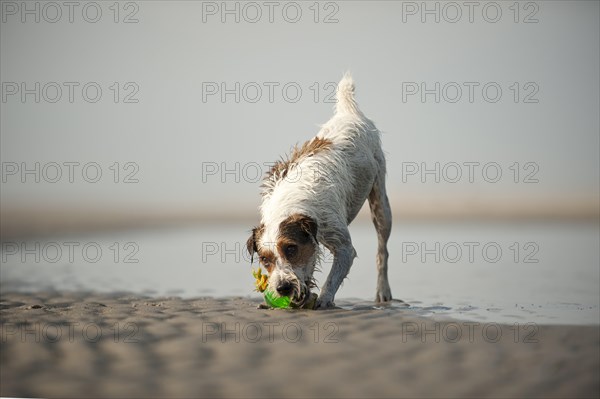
(311, 198)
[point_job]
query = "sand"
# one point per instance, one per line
(121, 345)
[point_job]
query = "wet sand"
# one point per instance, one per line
(121, 345)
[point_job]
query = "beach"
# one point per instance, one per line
(143, 143)
(124, 345)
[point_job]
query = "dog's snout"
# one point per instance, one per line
(285, 288)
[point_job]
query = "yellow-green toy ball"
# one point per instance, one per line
(282, 302)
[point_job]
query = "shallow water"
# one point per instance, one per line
(542, 272)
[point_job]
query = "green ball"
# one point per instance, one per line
(282, 302)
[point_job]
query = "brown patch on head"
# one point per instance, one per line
(297, 240)
(265, 256)
(281, 168)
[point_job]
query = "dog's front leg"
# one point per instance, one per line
(342, 261)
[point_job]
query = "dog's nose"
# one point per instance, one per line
(284, 288)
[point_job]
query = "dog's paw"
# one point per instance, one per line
(384, 294)
(311, 302)
(323, 303)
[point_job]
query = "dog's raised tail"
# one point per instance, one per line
(345, 96)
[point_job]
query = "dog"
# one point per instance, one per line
(311, 197)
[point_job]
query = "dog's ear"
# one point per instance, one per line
(251, 243)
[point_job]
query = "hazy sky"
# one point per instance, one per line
(177, 59)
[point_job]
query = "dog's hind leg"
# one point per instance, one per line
(382, 219)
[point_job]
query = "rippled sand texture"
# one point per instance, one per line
(130, 346)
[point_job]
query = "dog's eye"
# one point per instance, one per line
(290, 251)
(264, 260)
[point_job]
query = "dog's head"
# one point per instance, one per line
(289, 252)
